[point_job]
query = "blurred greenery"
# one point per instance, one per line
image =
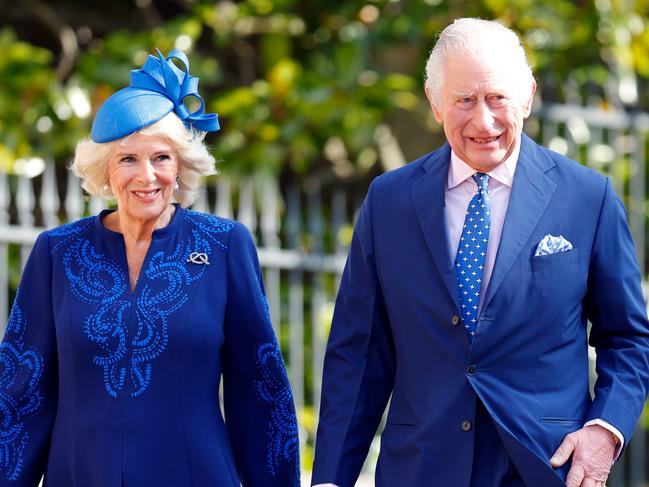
(300, 86)
(303, 88)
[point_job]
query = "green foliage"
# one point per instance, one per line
(291, 79)
(30, 89)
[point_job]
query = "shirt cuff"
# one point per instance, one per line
(325, 485)
(612, 429)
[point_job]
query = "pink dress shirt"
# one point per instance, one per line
(461, 188)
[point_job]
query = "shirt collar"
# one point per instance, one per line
(459, 171)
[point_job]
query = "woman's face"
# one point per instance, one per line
(142, 173)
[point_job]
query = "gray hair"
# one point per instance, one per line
(472, 37)
(194, 160)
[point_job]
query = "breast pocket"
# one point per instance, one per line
(561, 277)
(546, 263)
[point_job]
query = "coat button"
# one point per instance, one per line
(471, 370)
(455, 320)
(466, 425)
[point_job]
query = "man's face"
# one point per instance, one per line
(482, 109)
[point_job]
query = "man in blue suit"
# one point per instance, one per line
(471, 277)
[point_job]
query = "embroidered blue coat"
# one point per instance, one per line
(104, 387)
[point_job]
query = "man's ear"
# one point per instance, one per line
(527, 104)
(436, 111)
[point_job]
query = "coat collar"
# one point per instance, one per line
(428, 194)
(530, 195)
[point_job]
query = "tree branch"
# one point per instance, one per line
(68, 39)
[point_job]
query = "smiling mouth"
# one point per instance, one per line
(484, 140)
(147, 195)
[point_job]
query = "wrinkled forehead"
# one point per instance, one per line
(482, 83)
(141, 143)
(468, 74)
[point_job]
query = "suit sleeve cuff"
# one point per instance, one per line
(612, 429)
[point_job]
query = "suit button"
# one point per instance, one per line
(466, 425)
(455, 320)
(471, 370)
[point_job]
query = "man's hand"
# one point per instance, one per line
(593, 451)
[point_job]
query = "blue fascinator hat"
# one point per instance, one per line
(157, 89)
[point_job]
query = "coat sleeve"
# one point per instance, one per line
(359, 367)
(620, 330)
(258, 403)
(28, 374)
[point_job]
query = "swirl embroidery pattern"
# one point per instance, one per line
(128, 354)
(20, 373)
(67, 232)
(275, 391)
(98, 281)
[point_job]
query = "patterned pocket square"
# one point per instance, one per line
(552, 245)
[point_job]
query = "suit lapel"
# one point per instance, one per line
(530, 195)
(429, 199)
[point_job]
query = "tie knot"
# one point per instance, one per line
(482, 180)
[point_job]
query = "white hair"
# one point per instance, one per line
(473, 38)
(194, 160)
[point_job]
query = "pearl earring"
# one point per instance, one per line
(176, 186)
(105, 187)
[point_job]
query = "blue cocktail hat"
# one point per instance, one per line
(156, 89)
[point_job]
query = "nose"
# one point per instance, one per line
(483, 117)
(146, 173)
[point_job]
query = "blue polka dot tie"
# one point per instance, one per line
(472, 252)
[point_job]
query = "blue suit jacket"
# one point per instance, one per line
(394, 330)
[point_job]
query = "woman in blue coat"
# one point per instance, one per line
(125, 322)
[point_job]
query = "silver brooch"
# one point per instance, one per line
(199, 258)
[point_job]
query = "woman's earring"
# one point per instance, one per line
(105, 187)
(176, 186)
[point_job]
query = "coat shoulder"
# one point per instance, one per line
(404, 176)
(574, 172)
(209, 222)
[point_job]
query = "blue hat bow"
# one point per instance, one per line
(156, 89)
